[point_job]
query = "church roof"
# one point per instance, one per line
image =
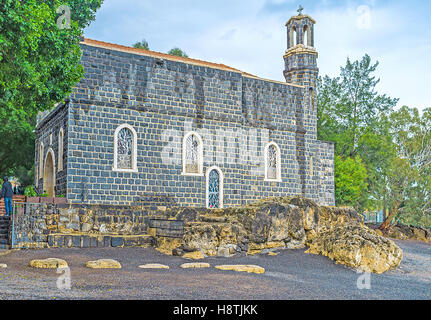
(160, 55)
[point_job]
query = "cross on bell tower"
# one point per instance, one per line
(300, 9)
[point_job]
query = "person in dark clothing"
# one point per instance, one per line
(7, 194)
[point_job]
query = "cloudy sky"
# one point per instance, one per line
(250, 35)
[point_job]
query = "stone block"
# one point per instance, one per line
(117, 241)
(107, 241)
(76, 241)
(93, 242)
(85, 241)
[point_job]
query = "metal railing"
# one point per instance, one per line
(373, 217)
(27, 225)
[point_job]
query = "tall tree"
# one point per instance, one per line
(39, 66)
(352, 114)
(409, 182)
(349, 105)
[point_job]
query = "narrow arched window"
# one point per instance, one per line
(311, 93)
(272, 162)
(60, 149)
(306, 36)
(214, 186)
(41, 154)
(294, 37)
(192, 154)
(125, 153)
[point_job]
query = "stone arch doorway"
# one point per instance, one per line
(49, 174)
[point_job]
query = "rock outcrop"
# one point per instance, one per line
(405, 232)
(288, 223)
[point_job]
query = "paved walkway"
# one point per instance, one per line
(290, 275)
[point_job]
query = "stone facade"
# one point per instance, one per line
(163, 98)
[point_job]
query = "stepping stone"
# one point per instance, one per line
(242, 268)
(272, 253)
(103, 264)
(3, 265)
(153, 266)
(195, 265)
(197, 255)
(50, 263)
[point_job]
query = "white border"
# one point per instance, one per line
(50, 151)
(278, 169)
(200, 155)
(221, 190)
(134, 151)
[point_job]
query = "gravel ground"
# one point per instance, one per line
(290, 275)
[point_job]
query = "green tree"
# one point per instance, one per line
(178, 52)
(142, 45)
(349, 106)
(39, 66)
(350, 180)
(355, 116)
(409, 183)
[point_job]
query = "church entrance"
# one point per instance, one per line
(214, 188)
(49, 175)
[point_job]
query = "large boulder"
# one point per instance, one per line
(358, 247)
(288, 223)
(405, 232)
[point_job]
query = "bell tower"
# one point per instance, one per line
(300, 58)
(300, 61)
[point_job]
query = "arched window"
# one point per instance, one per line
(192, 154)
(214, 187)
(125, 149)
(294, 37)
(41, 154)
(272, 162)
(311, 93)
(60, 149)
(307, 38)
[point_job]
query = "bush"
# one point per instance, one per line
(29, 192)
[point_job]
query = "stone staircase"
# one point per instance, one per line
(16, 198)
(5, 222)
(4, 232)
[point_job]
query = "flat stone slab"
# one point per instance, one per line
(242, 268)
(103, 264)
(50, 263)
(195, 265)
(154, 266)
(197, 255)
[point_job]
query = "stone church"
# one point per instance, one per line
(144, 127)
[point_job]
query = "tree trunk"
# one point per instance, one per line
(391, 216)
